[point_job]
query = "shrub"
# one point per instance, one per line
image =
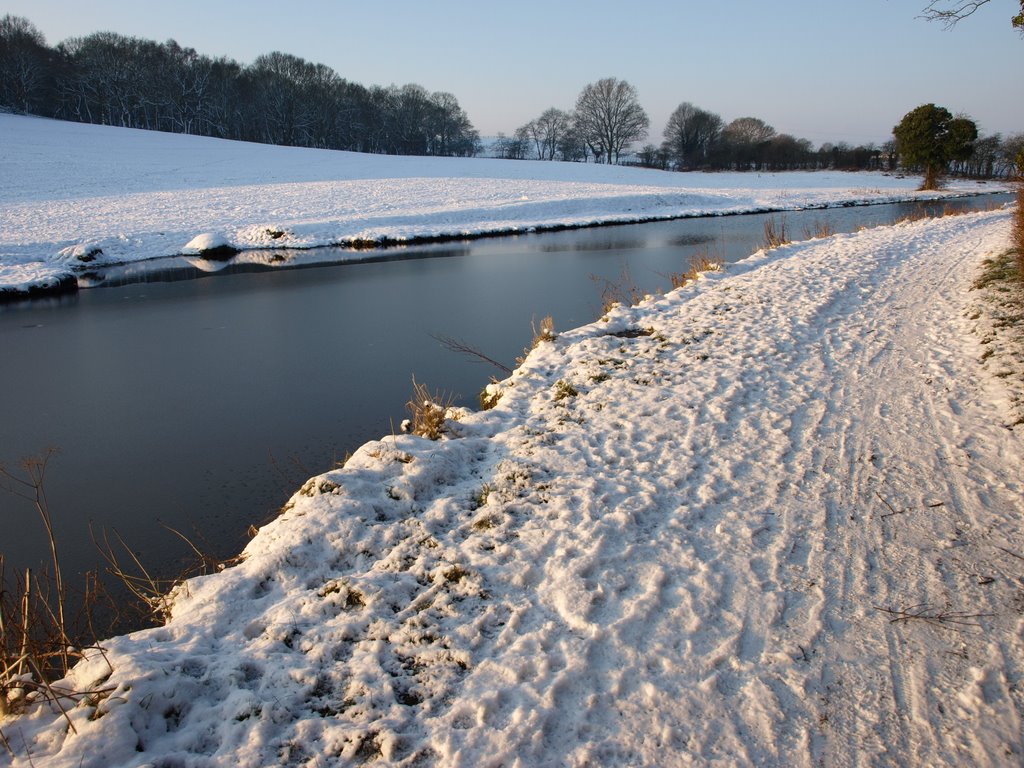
(490, 395)
(699, 262)
(819, 231)
(622, 291)
(546, 331)
(38, 642)
(428, 412)
(775, 232)
(564, 389)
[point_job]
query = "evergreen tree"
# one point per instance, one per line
(929, 137)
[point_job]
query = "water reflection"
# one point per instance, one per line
(688, 240)
(611, 244)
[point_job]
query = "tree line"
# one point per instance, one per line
(113, 79)
(697, 139)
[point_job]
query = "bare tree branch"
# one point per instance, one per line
(949, 13)
(460, 346)
(936, 616)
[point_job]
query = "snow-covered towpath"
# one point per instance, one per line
(766, 519)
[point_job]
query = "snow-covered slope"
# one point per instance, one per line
(75, 196)
(772, 518)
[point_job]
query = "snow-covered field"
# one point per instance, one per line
(75, 196)
(771, 518)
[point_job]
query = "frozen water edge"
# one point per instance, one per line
(695, 558)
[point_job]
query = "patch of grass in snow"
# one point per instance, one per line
(428, 412)
(352, 598)
(999, 272)
(564, 390)
(455, 574)
(544, 332)
(484, 523)
(480, 499)
(998, 318)
(316, 486)
(633, 333)
(490, 395)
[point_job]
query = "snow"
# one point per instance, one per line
(78, 196)
(770, 518)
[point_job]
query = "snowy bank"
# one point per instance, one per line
(79, 196)
(766, 519)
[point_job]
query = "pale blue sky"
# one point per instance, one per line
(822, 70)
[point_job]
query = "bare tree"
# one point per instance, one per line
(689, 134)
(653, 157)
(552, 126)
(949, 12)
(547, 132)
(748, 130)
(23, 64)
(509, 148)
(571, 146)
(1010, 153)
(743, 141)
(530, 134)
(609, 117)
(113, 79)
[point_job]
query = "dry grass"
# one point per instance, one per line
(819, 231)
(915, 215)
(623, 291)
(948, 209)
(1018, 230)
(699, 263)
(564, 390)
(38, 642)
(490, 395)
(775, 232)
(428, 412)
(544, 332)
(933, 615)
(152, 595)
